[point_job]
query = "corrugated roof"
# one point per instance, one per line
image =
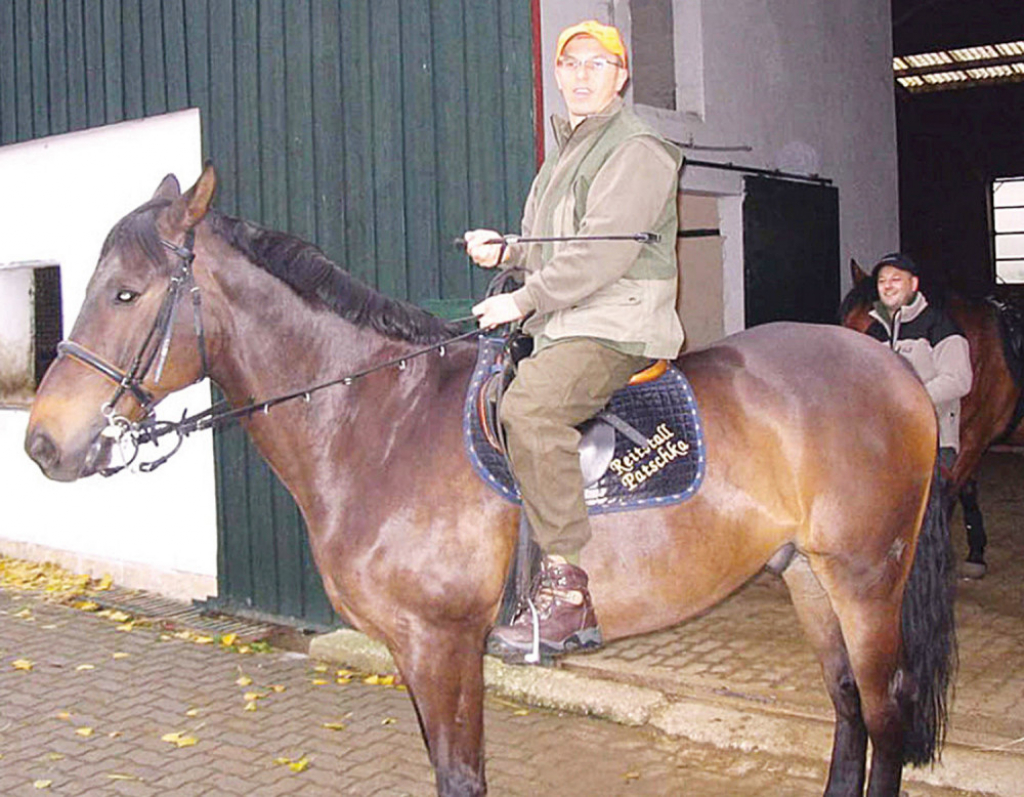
(965, 67)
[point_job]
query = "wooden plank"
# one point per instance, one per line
(452, 145)
(486, 125)
(328, 128)
(131, 55)
(272, 109)
(357, 141)
(197, 57)
(8, 79)
(299, 180)
(388, 155)
(113, 62)
(154, 76)
(234, 574)
(419, 153)
(175, 59)
(518, 110)
(246, 112)
(95, 89)
(39, 72)
(221, 145)
(57, 67)
(74, 22)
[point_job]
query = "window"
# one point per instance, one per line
(31, 326)
(1008, 228)
(666, 47)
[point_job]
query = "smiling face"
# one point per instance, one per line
(589, 77)
(895, 287)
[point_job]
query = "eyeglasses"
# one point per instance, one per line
(596, 65)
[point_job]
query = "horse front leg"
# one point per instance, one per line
(443, 670)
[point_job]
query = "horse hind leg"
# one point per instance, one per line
(819, 621)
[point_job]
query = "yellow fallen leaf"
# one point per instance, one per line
(344, 673)
(250, 706)
(120, 655)
(319, 682)
(228, 639)
(277, 688)
(53, 756)
(41, 784)
(298, 765)
(120, 617)
(373, 680)
(126, 627)
(520, 712)
(87, 732)
(343, 681)
(389, 721)
(244, 649)
(334, 726)
(105, 583)
(83, 667)
(631, 776)
(22, 664)
(320, 668)
(114, 734)
(192, 712)
(386, 680)
(179, 739)
(122, 776)
(253, 696)
(63, 715)
(244, 680)
(203, 640)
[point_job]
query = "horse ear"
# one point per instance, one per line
(191, 207)
(856, 272)
(168, 188)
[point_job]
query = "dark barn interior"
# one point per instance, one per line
(953, 142)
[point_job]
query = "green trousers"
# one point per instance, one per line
(557, 388)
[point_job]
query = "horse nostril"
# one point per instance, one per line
(42, 450)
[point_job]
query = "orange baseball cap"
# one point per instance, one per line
(608, 36)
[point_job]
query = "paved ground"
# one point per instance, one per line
(93, 713)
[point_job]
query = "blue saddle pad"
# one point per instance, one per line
(667, 470)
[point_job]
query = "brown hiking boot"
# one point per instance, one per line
(562, 613)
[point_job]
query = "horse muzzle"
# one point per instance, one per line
(65, 463)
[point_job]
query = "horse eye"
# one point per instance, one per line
(125, 296)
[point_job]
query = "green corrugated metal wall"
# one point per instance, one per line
(378, 129)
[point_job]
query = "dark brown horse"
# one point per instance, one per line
(821, 448)
(987, 414)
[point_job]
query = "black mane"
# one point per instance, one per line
(313, 276)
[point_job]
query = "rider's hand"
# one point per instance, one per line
(497, 310)
(481, 251)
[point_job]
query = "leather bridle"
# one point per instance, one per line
(130, 381)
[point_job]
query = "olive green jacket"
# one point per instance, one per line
(611, 175)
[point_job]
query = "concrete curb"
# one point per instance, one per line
(963, 767)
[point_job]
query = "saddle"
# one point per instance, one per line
(646, 448)
(1011, 328)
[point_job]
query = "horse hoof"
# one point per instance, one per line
(973, 570)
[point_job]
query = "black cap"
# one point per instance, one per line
(897, 260)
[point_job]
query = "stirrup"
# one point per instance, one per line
(533, 657)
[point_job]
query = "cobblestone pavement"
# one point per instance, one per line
(92, 714)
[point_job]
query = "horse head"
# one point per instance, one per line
(134, 341)
(856, 305)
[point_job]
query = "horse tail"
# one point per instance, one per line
(929, 634)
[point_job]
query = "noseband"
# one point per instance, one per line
(162, 330)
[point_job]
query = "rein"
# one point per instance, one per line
(149, 429)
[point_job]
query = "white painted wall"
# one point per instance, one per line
(61, 195)
(805, 84)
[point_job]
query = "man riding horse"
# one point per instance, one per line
(598, 312)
